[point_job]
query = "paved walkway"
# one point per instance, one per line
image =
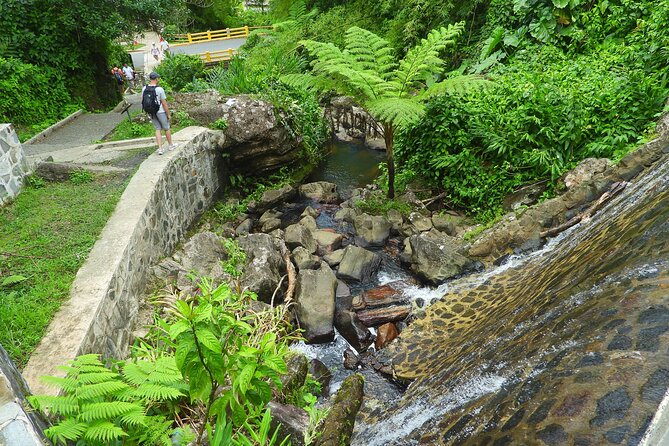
(84, 130)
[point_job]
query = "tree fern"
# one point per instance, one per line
(371, 51)
(101, 405)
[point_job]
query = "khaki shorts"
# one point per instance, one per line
(160, 121)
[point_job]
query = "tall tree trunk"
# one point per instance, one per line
(389, 136)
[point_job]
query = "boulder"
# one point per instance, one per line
(382, 296)
(201, 253)
(338, 425)
(309, 222)
(420, 222)
(271, 225)
(311, 212)
(244, 227)
(378, 316)
(585, 172)
(358, 264)
(315, 296)
(346, 214)
(264, 264)
(167, 270)
(256, 139)
(291, 421)
(436, 257)
(305, 260)
(277, 233)
(321, 191)
(372, 229)
(297, 366)
(525, 196)
(322, 374)
(385, 334)
(273, 197)
(446, 223)
(395, 219)
(354, 331)
(334, 258)
(269, 215)
(327, 241)
(351, 359)
(298, 235)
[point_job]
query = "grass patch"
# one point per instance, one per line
(45, 236)
(131, 130)
(381, 205)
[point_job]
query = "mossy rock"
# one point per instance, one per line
(338, 426)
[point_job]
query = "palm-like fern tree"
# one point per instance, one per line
(391, 91)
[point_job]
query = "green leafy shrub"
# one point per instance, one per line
(547, 112)
(81, 177)
(31, 94)
(220, 124)
(178, 70)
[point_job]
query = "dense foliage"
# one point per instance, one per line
(179, 70)
(205, 374)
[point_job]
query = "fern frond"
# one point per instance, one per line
(422, 61)
(155, 392)
(58, 405)
(372, 52)
(91, 391)
(67, 384)
(106, 410)
(398, 111)
(456, 84)
(104, 432)
(134, 418)
(67, 430)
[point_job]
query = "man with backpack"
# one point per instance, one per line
(154, 103)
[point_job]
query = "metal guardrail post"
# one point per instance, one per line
(246, 30)
(190, 38)
(208, 34)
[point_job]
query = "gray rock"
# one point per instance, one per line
(298, 235)
(420, 222)
(264, 264)
(298, 367)
(358, 264)
(346, 214)
(167, 270)
(395, 219)
(435, 257)
(585, 172)
(446, 223)
(354, 331)
(322, 374)
(311, 212)
(291, 421)
(525, 196)
(269, 215)
(373, 229)
(256, 139)
(351, 359)
(270, 225)
(273, 197)
(327, 241)
(305, 260)
(309, 222)
(315, 296)
(277, 233)
(244, 227)
(334, 258)
(201, 253)
(321, 191)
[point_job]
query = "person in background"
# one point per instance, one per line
(154, 103)
(155, 52)
(164, 46)
(130, 76)
(118, 77)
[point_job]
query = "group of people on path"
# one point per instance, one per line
(154, 99)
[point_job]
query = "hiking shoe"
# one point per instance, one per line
(172, 147)
(160, 151)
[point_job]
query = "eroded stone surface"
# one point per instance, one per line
(13, 164)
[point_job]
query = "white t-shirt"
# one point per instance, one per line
(128, 73)
(154, 51)
(160, 94)
(164, 45)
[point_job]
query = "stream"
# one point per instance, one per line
(566, 345)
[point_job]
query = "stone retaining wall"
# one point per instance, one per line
(166, 195)
(13, 164)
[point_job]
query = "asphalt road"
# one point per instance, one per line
(202, 47)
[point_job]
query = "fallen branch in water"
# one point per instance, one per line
(614, 190)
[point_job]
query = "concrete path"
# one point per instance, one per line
(217, 45)
(82, 131)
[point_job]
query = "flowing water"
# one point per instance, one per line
(569, 345)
